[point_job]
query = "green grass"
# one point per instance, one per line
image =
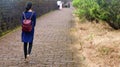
(9, 31)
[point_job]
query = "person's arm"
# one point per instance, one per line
(34, 19)
(22, 18)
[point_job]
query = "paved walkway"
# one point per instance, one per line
(51, 46)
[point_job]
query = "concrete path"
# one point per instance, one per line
(51, 46)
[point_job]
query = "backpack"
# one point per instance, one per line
(27, 24)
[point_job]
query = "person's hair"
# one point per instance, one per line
(28, 6)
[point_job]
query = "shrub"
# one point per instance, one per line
(106, 10)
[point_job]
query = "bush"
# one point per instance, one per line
(85, 8)
(106, 10)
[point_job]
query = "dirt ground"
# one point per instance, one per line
(97, 45)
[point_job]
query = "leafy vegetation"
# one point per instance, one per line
(106, 10)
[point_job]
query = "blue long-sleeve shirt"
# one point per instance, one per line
(29, 36)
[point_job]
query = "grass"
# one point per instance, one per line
(103, 38)
(103, 50)
(90, 37)
(8, 32)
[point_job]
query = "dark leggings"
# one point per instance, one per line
(27, 50)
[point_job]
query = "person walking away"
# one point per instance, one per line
(28, 25)
(59, 3)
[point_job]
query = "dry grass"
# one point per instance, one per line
(98, 43)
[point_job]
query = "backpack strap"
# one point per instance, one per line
(24, 15)
(30, 16)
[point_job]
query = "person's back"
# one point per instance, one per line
(29, 34)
